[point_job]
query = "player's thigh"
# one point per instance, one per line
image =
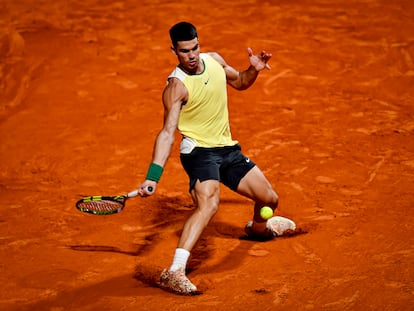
(206, 194)
(255, 186)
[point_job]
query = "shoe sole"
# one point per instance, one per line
(170, 290)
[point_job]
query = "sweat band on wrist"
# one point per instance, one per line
(154, 172)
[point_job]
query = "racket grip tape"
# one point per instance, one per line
(134, 193)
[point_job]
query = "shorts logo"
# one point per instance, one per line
(247, 160)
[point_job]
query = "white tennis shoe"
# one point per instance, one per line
(177, 282)
(275, 226)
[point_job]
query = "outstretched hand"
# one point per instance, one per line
(147, 188)
(259, 62)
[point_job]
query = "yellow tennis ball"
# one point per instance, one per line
(266, 212)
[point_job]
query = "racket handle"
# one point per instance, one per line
(134, 193)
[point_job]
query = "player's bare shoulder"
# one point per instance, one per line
(231, 73)
(175, 91)
(218, 58)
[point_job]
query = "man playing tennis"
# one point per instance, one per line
(195, 102)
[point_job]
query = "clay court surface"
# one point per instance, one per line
(331, 125)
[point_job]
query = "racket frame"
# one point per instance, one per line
(118, 199)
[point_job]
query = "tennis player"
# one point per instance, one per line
(195, 102)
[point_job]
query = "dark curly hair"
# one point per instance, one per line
(182, 31)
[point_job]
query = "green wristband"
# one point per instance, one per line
(154, 172)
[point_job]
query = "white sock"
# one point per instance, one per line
(180, 259)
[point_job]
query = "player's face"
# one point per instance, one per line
(188, 53)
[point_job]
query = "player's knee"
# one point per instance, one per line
(213, 205)
(209, 205)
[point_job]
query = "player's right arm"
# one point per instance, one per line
(174, 95)
(242, 80)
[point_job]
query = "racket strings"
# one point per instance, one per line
(101, 206)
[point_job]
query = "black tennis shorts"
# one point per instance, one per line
(225, 164)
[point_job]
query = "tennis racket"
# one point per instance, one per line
(106, 205)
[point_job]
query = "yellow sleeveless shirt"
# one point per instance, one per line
(205, 117)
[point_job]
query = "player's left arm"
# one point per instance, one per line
(242, 80)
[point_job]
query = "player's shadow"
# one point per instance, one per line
(171, 211)
(140, 249)
(84, 297)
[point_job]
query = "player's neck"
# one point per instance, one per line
(196, 71)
